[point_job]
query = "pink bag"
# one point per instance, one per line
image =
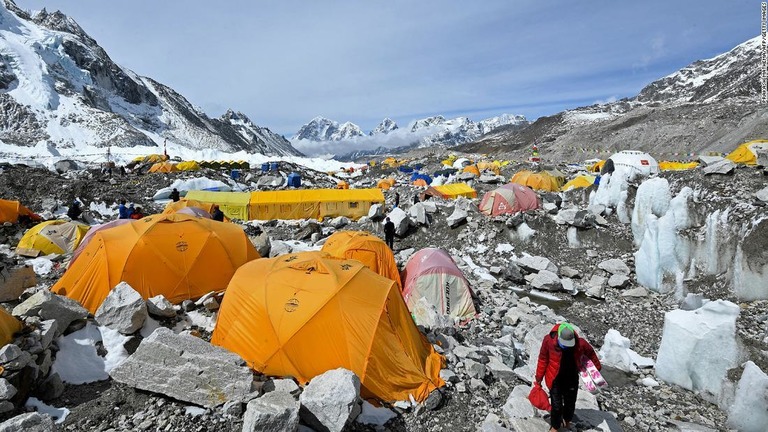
(539, 398)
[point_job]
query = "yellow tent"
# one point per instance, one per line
(173, 207)
(596, 167)
(11, 210)
(558, 175)
(472, 169)
(578, 182)
(747, 152)
(56, 236)
(342, 185)
(386, 183)
(451, 191)
(313, 203)
(677, 166)
(179, 256)
(490, 166)
(163, 167)
(153, 158)
(539, 180)
(234, 205)
(188, 166)
(8, 326)
(303, 314)
(366, 248)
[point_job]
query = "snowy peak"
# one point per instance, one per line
(347, 131)
(323, 129)
(386, 126)
(427, 122)
(492, 123)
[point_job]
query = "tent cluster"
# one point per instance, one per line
(289, 204)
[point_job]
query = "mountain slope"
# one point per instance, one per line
(58, 86)
(709, 105)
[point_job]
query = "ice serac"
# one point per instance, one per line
(58, 86)
(748, 412)
(698, 347)
(186, 368)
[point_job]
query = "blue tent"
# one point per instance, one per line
(294, 179)
(422, 176)
(405, 169)
(265, 167)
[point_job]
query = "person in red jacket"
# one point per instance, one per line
(559, 364)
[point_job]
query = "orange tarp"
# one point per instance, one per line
(179, 256)
(366, 248)
(303, 314)
(11, 210)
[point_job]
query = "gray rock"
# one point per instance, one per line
(211, 304)
(186, 368)
(492, 423)
(48, 305)
(123, 310)
(723, 167)
(614, 266)
(307, 230)
(635, 292)
(512, 273)
(44, 362)
(401, 220)
(597, 281)
(7, 390)
(535, 264)
(566, 216)
(434, 400)
(534, 424)
(376, 212)
(51, 388)
(13, 358)
(679, 426)
(517, 404)
(597, 292)
(709, 160)
(498, 369)
(29, 422)
(48, 330)
(692, 302)
(331, 400)
(339, 222)
(448, 375)
(515, 220)
(550, 208)
(568, 285)
(6, 406)
(458, 217)
(618, 281)
(276, 411)
(762, 194)
(418, 213)
(477, 385)
(570, 272)
(475, 369)
(159, 306)
(285, 385)
(546, 280)
(584, 219)
(262, 244)
(13, 282)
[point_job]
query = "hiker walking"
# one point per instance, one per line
(74, 210)
(217, 214)
(389, 233)
(122, 211)
(175, 195)
(560, 359)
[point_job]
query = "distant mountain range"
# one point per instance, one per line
(59, 87)
(322, 135)
(709, 105)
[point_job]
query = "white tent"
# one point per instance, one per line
(636, 162)
(461, 163)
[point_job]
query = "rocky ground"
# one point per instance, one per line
(487, 357)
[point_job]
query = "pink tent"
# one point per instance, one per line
(195, 211)
(89, 235)
(431, 274)
(509, 199)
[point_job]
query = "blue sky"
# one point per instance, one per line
(284, 62)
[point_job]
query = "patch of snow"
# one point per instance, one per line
(504, 248)
(478, 271)
(41, 265)
(77, 361)
(57, 414)
(193, 411)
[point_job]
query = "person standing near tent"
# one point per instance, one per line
(217, 214)
(137, 214)
(559, 364)
(74, 210)
(397, 199)
(175, 196)
(122, 211)
(389, 233)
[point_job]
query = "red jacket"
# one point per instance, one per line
(550, 353)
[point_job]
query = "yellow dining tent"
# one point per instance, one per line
(234, 205)
(747, 152)
(451, 191)
(55, 236)
(188, 166)
(179, 256)
(578, 182)
(536, 180)
(163, 167)
(313, 203)
(303, 314)
(677, 166)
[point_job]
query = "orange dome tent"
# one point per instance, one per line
(10, 211)
(471, 169)
(179, 256)
(8, 326)
(366, 248)
(173, 207)
(303, 314)
(539, 180)
(163, 167)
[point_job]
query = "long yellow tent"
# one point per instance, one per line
(234, 205)
(313, 203)
(451, 191)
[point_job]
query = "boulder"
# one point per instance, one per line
(546, 280)
(566, 216)
(7, 390)
(14, 280)
(276, 411)
(490, 178)
(270, 181)
(262, 244)
(376, 212)
(285, 385)
(532, 344)
(706, 161)
(29, 422)
(762, 194)
(48, 305)
(339, 222)
(748, 412)
(723, 167)
(458, 217)
(584, 219)
(13, 358)
(401, 220)
(636, 292)
(512, 273)
(698, 347)
(429, 206)
(614, 266)
(570, 272)
(160, 306)
(618, 281)
(123, 310)
(550, 208)
(307, 230)
(186, 368)
(518, 405)
(331, 400)
(535, 264)
(418, 214)
(65, 165)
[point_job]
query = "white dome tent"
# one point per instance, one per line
(635, 162)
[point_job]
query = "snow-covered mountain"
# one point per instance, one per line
(709, 105)
(322, 135)
(386, 126)
(60, 88)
